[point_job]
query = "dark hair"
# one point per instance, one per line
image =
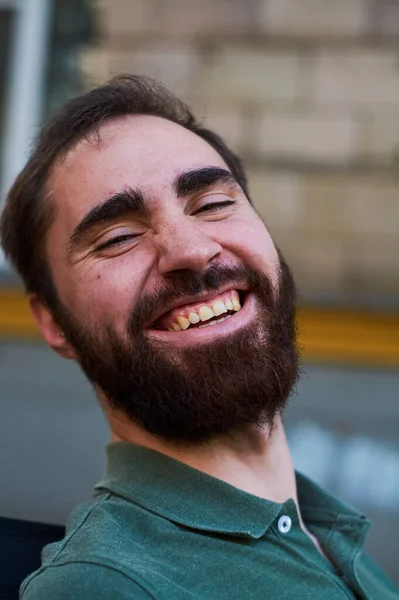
(28, 213)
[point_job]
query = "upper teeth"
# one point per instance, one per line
(206, 312)
(193, 318)
(219, 308)
(183, 322)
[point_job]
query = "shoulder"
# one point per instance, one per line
(103, 531)
(99, 557)
(82, 581)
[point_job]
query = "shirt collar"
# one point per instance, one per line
(194, 499)
(322, 512)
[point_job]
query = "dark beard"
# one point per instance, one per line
(193, 395)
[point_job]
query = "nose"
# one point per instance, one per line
(182, 246)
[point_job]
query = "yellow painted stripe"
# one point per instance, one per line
(324, 335)
(15, 317)
(350, 337)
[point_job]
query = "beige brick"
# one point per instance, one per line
(201, 107)
(277, 197)
(308, 137)
(228, 124)
(253, 76)
(173, 64)
(183, 18)
(373, 207)
(314, 17)
(191, 17)
(94, 65)
(386, 17)
(98, 64)
(373, 266)
(356, 205)
(330, 265)
(127, 17)
(380, 137)
(325, 199)
(367, 78)
(323, 262)
(317, 260)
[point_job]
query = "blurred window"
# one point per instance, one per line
(72, 28)
(40, 45)
(7, 16)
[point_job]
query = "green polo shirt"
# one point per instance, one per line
(158, 529)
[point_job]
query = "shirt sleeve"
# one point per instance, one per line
(82, 581)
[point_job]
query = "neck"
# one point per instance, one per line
(256, 461)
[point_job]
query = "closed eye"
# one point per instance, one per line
(116, 241)
(214, 206)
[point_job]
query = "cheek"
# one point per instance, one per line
(104, 291)
(252, 243)
(113, 287)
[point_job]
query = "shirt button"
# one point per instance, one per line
(284, 524)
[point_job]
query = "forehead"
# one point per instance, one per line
(138, 151)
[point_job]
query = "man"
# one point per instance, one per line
(144, 260)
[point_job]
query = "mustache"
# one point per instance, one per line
(191, 284)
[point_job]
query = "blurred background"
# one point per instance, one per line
(307, 92)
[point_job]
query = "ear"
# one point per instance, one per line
(49, 328)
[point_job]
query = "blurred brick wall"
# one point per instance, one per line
(307, 91)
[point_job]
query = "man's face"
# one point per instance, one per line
(171, 290)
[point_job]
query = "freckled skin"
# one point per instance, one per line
(147, 153)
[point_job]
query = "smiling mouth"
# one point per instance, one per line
(202, 314)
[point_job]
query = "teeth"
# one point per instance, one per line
(193, 318)
(205, 313)
(229, 304)
(218, 308)
(236, 304)
(224, 319)
(215, 322)
(183, 322)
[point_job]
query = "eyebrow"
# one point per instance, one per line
(132, 200)
(198, 180)
(124, 202)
